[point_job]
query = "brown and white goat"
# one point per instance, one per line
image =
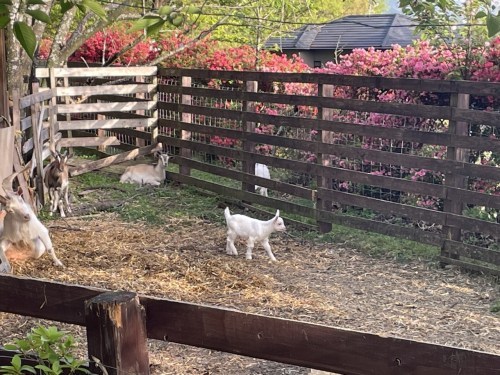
(56, 180)
(146, 174)
(22, 227)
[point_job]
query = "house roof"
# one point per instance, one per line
(380, 31)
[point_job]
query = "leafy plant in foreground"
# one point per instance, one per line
(51, 347)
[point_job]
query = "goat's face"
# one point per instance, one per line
(17, 207)
(278, 224)
(164, 159)
(60, 160)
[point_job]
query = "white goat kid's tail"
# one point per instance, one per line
(227, 214)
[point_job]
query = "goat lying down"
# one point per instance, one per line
(145, 174)
(22, 227)
(252, 230)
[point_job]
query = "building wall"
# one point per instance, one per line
(312, 58)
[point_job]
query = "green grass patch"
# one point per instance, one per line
(154, 205)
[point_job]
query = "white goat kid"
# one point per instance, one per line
(251, 230)
(56, 178)
(22, 227)
(145, 174)
(261, 170)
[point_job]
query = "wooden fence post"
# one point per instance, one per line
(324, 137)
(460, 101)
(186, 135)
(154, 98)
(248, 127)
(116, 333)
(37, 130)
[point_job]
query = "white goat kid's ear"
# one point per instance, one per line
(277, 213)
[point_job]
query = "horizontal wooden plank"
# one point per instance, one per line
(282, 187)
(473, 252)
(418, 110)
(106, 124)
(135, 88)
(414, 84)
(105, 107)
(29, 100)
(398, 209)
(286, 206)
(382, 157)
(282, 340)
(477, 117)
(27, 122)
(408, 135)
(119, 158)
(113, 71)
(471, 266)
(89, 142)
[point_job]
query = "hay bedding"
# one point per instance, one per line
(185, 260)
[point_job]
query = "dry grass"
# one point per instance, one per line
(184, 259)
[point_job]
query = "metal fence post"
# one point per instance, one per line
(185, 134)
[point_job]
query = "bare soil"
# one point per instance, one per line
(313, 282)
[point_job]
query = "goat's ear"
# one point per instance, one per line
(277, 213)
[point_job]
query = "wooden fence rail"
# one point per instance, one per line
(287, 341)
(221, 113)
(118, 111)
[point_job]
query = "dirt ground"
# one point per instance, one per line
(312, 282)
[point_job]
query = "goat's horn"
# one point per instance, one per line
(7, 181)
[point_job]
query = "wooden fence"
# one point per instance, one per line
(202, 121)
(110, 316)
(321, 167)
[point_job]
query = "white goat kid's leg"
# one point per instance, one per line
(5, 266)
(230, 248)
(250, 246)
(47, 243)
(267, 247)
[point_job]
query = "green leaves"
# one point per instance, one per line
(26, 37)
(152, 24)
(95, 8)
(175, 16)
(51, 346)
(39, 15)
(493, 24)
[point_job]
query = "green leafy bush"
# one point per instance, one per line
(52, 348)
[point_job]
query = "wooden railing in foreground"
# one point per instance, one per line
(287, 341)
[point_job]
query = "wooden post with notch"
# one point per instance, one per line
(324, 137)
(185, 134)
(459, 101)
(116, 333)
(248, 166)
(37, 136)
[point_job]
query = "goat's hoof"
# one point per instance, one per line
(5, 268)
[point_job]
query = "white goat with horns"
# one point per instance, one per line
(22, 227)
(145, 174)
(252, 230)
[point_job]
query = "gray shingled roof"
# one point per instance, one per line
(379, 31)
